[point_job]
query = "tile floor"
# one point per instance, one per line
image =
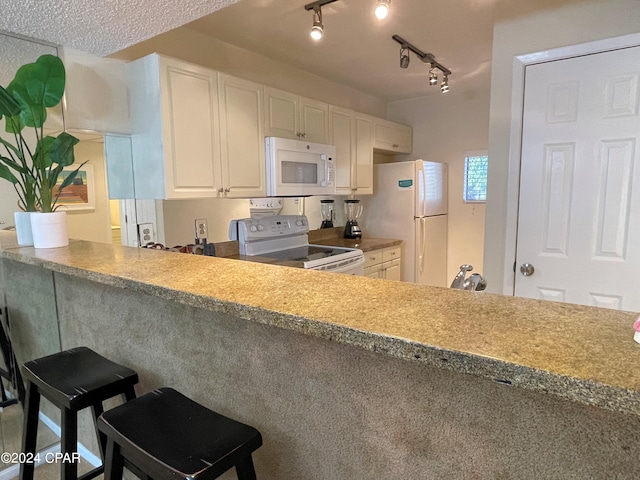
(11, 437)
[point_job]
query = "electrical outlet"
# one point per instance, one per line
(145, 233)
(201, 228)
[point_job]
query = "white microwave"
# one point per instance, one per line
(296, 168)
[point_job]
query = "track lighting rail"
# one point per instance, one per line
(424, 57)
(318, 4)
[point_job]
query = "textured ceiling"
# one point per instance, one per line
(100, 27)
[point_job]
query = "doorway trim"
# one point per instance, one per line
(520, 63)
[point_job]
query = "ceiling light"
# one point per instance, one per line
(317, 28)
(434, 65)
(433, 77)
(444, 86)
(382, 10)
(404, 57)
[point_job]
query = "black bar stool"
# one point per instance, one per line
(169, 436)
(72, 380)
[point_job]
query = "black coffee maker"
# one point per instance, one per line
(352, 211)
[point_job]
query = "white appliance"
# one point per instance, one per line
(283, 239)
(410, 203)
(296, 168)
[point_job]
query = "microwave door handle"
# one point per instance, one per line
(323, 157)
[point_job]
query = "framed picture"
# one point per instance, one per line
(80, 195)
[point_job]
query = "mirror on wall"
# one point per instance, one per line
(15, 52)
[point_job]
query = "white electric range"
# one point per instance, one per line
(284, 238)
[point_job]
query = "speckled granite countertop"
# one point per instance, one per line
(579, 353)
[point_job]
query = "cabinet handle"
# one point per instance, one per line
(220, 190)
(395, 145)
(227, 190)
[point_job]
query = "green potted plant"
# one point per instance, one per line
(33, 161)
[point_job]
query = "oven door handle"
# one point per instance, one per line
(354, 268)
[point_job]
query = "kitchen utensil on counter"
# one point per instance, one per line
(328, 215)
(352, 210)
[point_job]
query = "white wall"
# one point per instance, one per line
(444, 128)
(203, 50)
(92, 225)
(573, 24)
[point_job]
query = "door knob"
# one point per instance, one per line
(527, 269)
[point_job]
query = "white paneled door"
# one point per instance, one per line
(579, 211)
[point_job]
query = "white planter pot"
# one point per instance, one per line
(23, 228)
(49, 229)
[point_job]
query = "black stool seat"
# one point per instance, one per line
(168, 436)
(72, 380)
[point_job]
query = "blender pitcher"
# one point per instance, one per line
(326, 210)
(352, 211)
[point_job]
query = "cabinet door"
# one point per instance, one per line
(242, 137)
(342, 136)
(392, 270)
(281, 114)
(374, 271)
(190, 137)
(314, 121)
(392, 137)
(363, 156)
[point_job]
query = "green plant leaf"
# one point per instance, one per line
(37, 86)
(8, 105)
(7, 174)
(14, 124)
(62, 149)
(42, 156)
(12, 147)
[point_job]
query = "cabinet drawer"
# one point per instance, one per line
(373, 257)
(391, 253)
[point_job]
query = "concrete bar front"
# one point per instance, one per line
(347, 377)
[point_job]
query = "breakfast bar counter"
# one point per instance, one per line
(348, 377)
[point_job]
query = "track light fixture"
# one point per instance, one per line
(433, 77)
(404, 57)
(382, 10)
(318, 28)
(444, 86)
(424, 58)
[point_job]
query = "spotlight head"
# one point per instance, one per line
(316, 30)
(444, 86)
(382, 10)
(433, 77)
(404, 57)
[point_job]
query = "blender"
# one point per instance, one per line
(352, 210)
(326, 210)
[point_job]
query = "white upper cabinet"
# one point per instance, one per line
(175, 131)
(392, 137)
(295, 117)
(242, 137)
(351, 133)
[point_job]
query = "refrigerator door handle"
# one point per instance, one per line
(422, 191)
(421, 244)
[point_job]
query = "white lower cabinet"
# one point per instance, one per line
(383, 263)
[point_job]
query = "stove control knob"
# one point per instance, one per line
(298, 223)
(260, 227)
(303, 222)
(253, 228)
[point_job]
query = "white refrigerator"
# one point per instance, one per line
(410, 203)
